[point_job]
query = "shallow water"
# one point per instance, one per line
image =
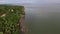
(43, 19)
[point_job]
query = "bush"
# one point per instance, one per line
(9, 18)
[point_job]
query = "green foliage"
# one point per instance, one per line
(1, 32)
(9, 22)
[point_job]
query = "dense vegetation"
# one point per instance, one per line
(9, 19)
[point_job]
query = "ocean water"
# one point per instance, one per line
(43, 19)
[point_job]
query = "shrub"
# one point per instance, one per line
(9, 18)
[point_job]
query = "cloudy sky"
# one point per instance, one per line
(29, 1)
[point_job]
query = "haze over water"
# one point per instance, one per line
(43, 19)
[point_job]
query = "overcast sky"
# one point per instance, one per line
(29, 1)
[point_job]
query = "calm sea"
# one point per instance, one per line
(43, 19)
